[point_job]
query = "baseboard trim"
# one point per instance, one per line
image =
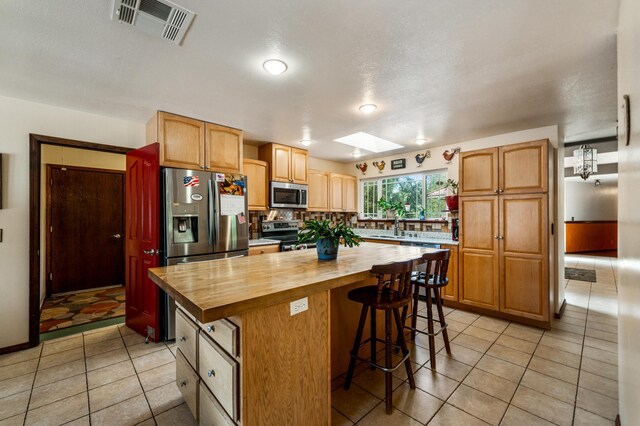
(15, 348)
(559, 314)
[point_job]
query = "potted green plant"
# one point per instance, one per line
(451, 200)
(327, 237)
(385, 206)
(422, 212)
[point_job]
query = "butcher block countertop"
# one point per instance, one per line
(223, 288)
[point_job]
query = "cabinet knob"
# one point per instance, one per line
(495, 191)
(501, 237)
(211, 328)
(183, 383)
(183, 338)
(501, 191)
(496, 237)
(211, 373)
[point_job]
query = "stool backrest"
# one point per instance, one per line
(396, 277)
(437, 265)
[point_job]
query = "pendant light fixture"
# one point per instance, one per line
(585, 161)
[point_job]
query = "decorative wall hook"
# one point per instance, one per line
(362, 167)
(420, 157)
(627, 107)
(379, 165)
(449, 155)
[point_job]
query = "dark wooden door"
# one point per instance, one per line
(86, 219)
(143, 240)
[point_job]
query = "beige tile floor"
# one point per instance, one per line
(498, 373)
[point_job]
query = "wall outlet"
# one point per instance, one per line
(298, 306)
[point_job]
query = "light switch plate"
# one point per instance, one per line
(298, 306)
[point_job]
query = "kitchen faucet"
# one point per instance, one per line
(396, 227)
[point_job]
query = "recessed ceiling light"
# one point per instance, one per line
(274, 66)
(305, 142)
(421, 141)
(368, 108)
(368, 142)
(356, 154)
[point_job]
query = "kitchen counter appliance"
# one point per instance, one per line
(205, 217)
(288, 195)
(285, 231)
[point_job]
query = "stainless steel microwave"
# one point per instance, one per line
(288, 195)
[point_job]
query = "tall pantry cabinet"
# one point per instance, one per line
(505, 251)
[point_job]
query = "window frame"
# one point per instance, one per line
(379, 191)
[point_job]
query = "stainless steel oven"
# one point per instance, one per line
(288, 195)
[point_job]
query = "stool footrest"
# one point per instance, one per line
(435, 333)
(380, 367)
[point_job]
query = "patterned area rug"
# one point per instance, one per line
(580, 274)
(80, 308)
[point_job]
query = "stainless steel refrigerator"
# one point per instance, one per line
(205, 217)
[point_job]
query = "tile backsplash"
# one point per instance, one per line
(432, 228)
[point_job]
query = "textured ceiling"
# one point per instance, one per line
(445, 70)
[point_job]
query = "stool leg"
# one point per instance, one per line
(443, 324)
(356, 346)
(432, 340)
(373, 337)
(405, 350)
(414, 318)
(388, 376)
(403, 320)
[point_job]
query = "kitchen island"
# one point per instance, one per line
(255, 334)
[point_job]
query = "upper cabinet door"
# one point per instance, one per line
(223, 149)
(181, 141)
(350, 183)
(281, 164)
(479, 172)
(299, 165)
(318, 191)
(524, 168)
(257, 184)
(336, 197)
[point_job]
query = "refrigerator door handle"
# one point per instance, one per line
(211, 209)
(214, 216)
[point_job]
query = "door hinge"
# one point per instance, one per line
(51, 229)
(50, 276)
(51, 182)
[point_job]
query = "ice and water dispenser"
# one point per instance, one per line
(185, 223)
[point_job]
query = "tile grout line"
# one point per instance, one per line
(26, 411)
(86, 376)
(126, 348)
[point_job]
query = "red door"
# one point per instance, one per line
(142, 240)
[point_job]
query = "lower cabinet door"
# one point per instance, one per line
(221, 373)
(211, 412)
(450, 291)
(187, 381)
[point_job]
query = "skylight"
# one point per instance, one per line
(368, 142)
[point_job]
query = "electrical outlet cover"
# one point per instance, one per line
(299, 306)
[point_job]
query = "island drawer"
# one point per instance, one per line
(211, 412)
(187, 337)
(221, 373)
(225, 333)
(187, 381)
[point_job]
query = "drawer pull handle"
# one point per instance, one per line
(183, 338)
(183, 383)
(211, 328)
(211, 373)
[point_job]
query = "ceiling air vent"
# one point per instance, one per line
(156, 17)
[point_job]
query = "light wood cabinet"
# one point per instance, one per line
(223, 149)
(257, 250)
(524, 266)
(318, 191)
(511, 169)
(188, 143)
(504, 231)
(450, 291)
(342, 193)
(287, 164)
(257, 173)
(479, 251)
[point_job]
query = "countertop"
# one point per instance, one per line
(223, 288)
(262, 242)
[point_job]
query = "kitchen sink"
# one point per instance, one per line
(383, 236)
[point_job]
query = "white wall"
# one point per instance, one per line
(437, 161)
(629, 215)
(18, 118)
(585, 201)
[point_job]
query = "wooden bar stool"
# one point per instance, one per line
(432, 280)
(392, 292)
